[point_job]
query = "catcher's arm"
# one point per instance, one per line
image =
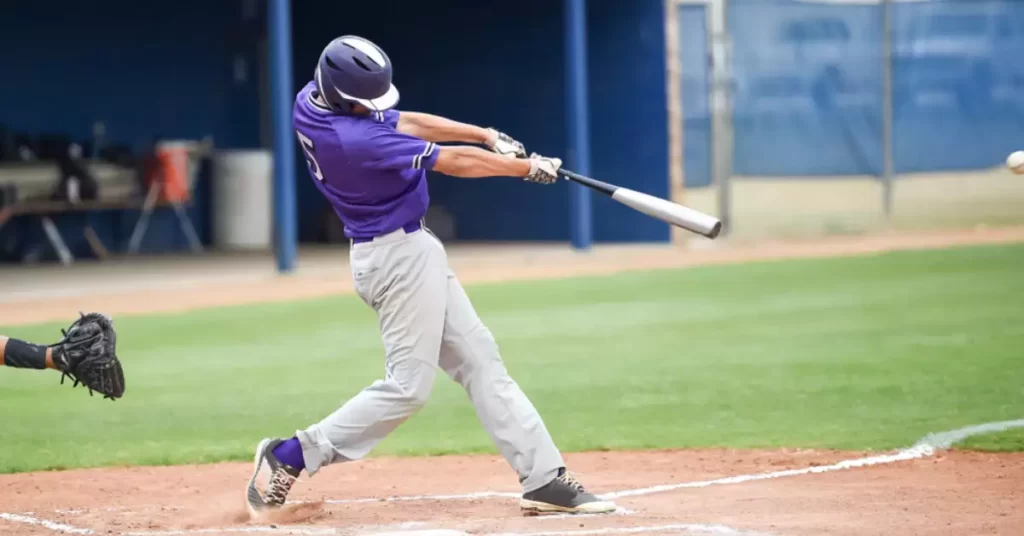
(20, 354)
(86, 353)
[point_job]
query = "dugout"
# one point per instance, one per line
(201, 68)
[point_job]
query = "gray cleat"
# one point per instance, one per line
(564, 494)
(280, 478)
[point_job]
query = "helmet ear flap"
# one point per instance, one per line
(327, 98)
(319, 83)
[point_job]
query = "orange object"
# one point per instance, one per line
(170, 167)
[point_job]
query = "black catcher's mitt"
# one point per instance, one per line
(87, 354)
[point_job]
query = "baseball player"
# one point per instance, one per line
(86, 353)
(370, 161)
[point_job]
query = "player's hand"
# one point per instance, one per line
(503, 144)
(543, 170)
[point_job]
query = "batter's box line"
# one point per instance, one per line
(684, 528)
(449, 497)
(405, 528)
(46, 524)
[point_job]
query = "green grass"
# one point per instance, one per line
(860, 353)
(1008, 441)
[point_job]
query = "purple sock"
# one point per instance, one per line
(290, 453)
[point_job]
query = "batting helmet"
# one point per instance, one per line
(354, 70)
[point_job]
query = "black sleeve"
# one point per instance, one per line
(21, 354)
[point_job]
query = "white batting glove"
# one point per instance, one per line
(503, 144)
(543, 170)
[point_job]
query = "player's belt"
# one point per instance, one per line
(408, 228)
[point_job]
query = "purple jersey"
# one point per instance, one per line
(373, 175)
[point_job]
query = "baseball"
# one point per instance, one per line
(1016, 162)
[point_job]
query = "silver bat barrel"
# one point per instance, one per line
(674, 213)
(662, 209)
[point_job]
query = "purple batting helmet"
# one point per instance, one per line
(354, 70)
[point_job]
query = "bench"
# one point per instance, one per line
(45, 210)
(42, 178)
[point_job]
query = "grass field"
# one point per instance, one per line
(1009, 441)
(858, 353)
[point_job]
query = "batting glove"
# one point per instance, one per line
(503, 144)
(543, 170)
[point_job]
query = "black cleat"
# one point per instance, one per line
(564, 494)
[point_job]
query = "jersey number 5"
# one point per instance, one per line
(307, 147)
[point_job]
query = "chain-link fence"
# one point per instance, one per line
(839, 116)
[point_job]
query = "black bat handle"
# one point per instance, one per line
(603, 187)
(600, 186)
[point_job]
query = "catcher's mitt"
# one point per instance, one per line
(87, 355)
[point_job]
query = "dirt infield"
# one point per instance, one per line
(716, 491)
(953, 493)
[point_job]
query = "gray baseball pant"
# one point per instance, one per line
(426, 322)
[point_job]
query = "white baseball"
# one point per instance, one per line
(1016, 162)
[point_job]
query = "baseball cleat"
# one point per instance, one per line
(564, 494)
(278, 481)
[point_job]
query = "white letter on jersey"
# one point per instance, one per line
(307, 147)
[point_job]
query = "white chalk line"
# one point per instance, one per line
(402, 498)
(944, 440)
(276, 529)
(923, 448)
(685, 528)
(688, 528)
(58, 527)
(366, 530)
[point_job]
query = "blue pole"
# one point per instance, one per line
(577, 115)
(279, 29)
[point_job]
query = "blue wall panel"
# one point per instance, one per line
(628, 120)
(959, 84)
(696, 85)
(809, 85)
(145, 72)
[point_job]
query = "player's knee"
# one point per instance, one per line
(417, 395)
(415, 391)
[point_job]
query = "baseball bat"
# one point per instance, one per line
(662, 209)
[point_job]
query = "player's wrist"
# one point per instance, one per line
(488, 137)
(526, 166)
(22, 354)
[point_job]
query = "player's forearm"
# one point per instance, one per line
(473, 162)
(20, 354)
(439, 129)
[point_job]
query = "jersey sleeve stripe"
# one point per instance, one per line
(417, 161)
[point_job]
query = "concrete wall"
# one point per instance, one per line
(771, 208)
